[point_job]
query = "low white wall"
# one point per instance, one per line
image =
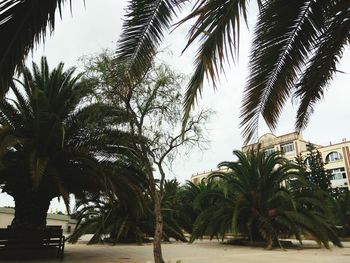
(63, 221)
(5, 220)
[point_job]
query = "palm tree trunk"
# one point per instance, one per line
(157, 249)
(30, 210)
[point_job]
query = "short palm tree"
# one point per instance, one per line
(172, 214)
(127, 218)
(52, 144)
(111, 216)
(187, 210)
(252, 199)
(341, 204)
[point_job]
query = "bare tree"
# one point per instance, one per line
(154, 105)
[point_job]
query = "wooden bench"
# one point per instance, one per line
(33, 241)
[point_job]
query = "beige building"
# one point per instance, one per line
(335, 156)
(67, 224)
(198, 177)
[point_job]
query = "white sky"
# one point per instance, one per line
(91, 29)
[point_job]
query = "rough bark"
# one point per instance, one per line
(158, 228)
(158, 233)
(30, 210)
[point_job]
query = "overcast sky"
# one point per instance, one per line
(97, 26)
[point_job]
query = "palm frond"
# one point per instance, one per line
(323, 65)
(217, 29)
(23, 23)
(143, 30)
(284, 38)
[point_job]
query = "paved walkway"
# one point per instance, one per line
(199, 252)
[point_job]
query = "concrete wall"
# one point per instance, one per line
(5, 220)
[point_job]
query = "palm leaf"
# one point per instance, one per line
(323, 65)
(217, 28)
(23, 23)
(284, 37)
(143, 30)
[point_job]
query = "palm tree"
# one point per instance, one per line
(214, 212)
(252, 200)
(111, 216)
(52, 144)
(341, 204)
(187, 211)
(129, 218)
(171, 211)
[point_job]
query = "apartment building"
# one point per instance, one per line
(335, 156)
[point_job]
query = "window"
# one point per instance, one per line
(269, 151)
(288, 147)
(334, 156)
(338, 174)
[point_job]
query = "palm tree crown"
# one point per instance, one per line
(253, 200)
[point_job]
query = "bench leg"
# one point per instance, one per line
(62, 248)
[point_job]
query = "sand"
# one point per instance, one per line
(200, 252)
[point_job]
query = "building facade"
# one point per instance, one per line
(335, 156)
(198, 177)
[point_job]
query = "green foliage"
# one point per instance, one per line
(110, 216)
(341, 206)
(314, 170)
(186, 209)
(250, 199)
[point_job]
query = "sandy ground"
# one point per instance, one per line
(199, 252)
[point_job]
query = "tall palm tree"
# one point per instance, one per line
(53, 144)
(253, 200)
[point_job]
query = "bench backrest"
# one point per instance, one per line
(49, 235)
